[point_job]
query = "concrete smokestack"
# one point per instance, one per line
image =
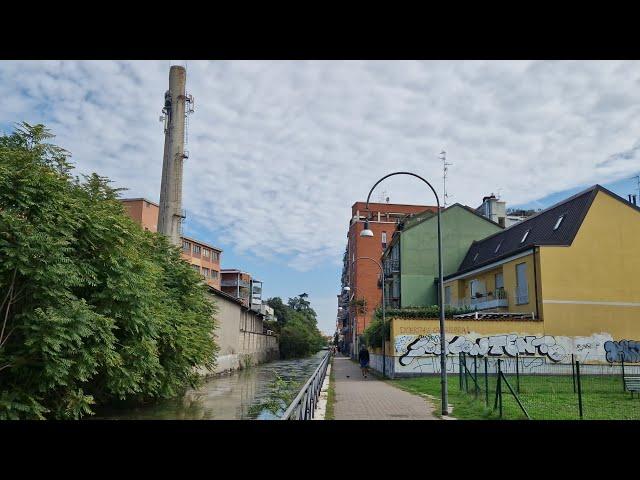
(171, 215)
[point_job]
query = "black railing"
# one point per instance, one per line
(304, 405)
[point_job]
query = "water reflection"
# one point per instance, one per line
(229, 397)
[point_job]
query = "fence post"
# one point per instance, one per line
(579, 388)
(500, 384)
(460, 370)
(573, 372)
(486, 382)
(622, 361)
(475, 372)
(517, 373)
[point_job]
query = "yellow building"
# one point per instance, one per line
(564, 281)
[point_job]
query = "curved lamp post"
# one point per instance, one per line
(368, 233)
(383, 312)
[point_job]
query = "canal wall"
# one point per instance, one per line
(241, 335)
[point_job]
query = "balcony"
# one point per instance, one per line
(234, 283)
(391, 266)
(486, 301)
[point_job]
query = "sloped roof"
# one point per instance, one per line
(540, 227)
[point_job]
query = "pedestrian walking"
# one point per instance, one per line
(363, 358)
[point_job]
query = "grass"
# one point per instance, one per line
(331, 396)
(545, 397)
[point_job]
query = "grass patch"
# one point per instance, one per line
(545, 397)
(331, 396)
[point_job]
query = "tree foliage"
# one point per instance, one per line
(92, 308)
(297, 326)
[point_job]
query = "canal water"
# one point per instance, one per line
(237, 396)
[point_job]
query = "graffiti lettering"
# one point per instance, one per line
(496, 345)
(627, 350)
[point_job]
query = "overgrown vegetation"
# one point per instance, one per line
(92, 309)
(297, 327)
(331, 396)
(432, 311)
(281, 394)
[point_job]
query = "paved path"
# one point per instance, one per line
(358, 398)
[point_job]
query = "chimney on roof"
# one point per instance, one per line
(633, 199)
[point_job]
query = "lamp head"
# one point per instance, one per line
(366, 232)
(347, 289)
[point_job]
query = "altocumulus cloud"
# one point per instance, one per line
(281, 149)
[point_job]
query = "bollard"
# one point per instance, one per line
(486, 383)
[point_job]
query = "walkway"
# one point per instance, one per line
(358, 398)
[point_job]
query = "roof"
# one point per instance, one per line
(541, 230)
(200, 242)
(412, 220)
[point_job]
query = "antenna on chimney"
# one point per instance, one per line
(443, 157)
(637, 177)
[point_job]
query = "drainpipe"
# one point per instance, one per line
(535, 280)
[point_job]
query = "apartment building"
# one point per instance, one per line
(243, 286)
(356, 307)
(204, 258)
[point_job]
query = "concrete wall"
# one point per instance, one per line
(240, 338)
(415, 346)
(419, 252)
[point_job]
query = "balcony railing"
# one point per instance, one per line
(391, 266)
(485, 301)
(234, 283)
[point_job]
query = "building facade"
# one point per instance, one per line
(356, 307)
(204, 258)
(241, 335)
(411, 259)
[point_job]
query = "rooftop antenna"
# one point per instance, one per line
(383, 197)
(637, 178)
(443, 157)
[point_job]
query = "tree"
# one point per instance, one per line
(298, 328)
(92, 309)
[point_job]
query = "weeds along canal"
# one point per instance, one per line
(260, 392)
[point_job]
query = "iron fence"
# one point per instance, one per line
(538, 388)
(304, 405)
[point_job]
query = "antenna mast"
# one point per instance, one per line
(443, 157)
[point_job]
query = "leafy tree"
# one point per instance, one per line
(299, 334)
(92, 308)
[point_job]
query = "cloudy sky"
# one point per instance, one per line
(280, 150)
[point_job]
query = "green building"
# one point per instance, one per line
(411, 258)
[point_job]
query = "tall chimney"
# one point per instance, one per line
(170, 215)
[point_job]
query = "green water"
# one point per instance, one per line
(237, 396)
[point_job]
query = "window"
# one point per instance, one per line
(205, 252)
(558, 222)
(522, 287)
(214, 274)
(498, 247)
(186, 246)
(524, 237)
(447, 295)
(196, 249)
(196, 268)
(205, 272)
(475, 257)
(474, 287)
(384, 240)
(499, 281)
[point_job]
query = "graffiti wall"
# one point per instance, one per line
(416, 353)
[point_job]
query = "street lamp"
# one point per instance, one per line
(384, 358)
(368, 233)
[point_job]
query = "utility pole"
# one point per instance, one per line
(171, 215)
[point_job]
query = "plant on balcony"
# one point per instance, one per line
(432, 311)
(360, 305)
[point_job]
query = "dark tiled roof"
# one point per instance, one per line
(541, 232)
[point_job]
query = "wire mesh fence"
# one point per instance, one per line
(538, 388)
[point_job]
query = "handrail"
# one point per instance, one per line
(304, 405)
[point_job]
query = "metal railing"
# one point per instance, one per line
(304, 405)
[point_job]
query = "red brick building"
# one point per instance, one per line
(203, 257)
(357, 307)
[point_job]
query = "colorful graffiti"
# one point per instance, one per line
(626, 350)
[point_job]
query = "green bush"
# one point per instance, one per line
(92, 309)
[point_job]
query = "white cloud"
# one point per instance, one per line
(281, 149)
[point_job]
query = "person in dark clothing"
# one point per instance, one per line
(363, 357)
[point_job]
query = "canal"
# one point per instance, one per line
(241, 395)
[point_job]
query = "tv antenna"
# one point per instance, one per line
(637, 179)
(445, 196)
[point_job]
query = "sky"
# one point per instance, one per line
(280, 150)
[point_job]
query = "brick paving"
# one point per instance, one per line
(358, 398)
